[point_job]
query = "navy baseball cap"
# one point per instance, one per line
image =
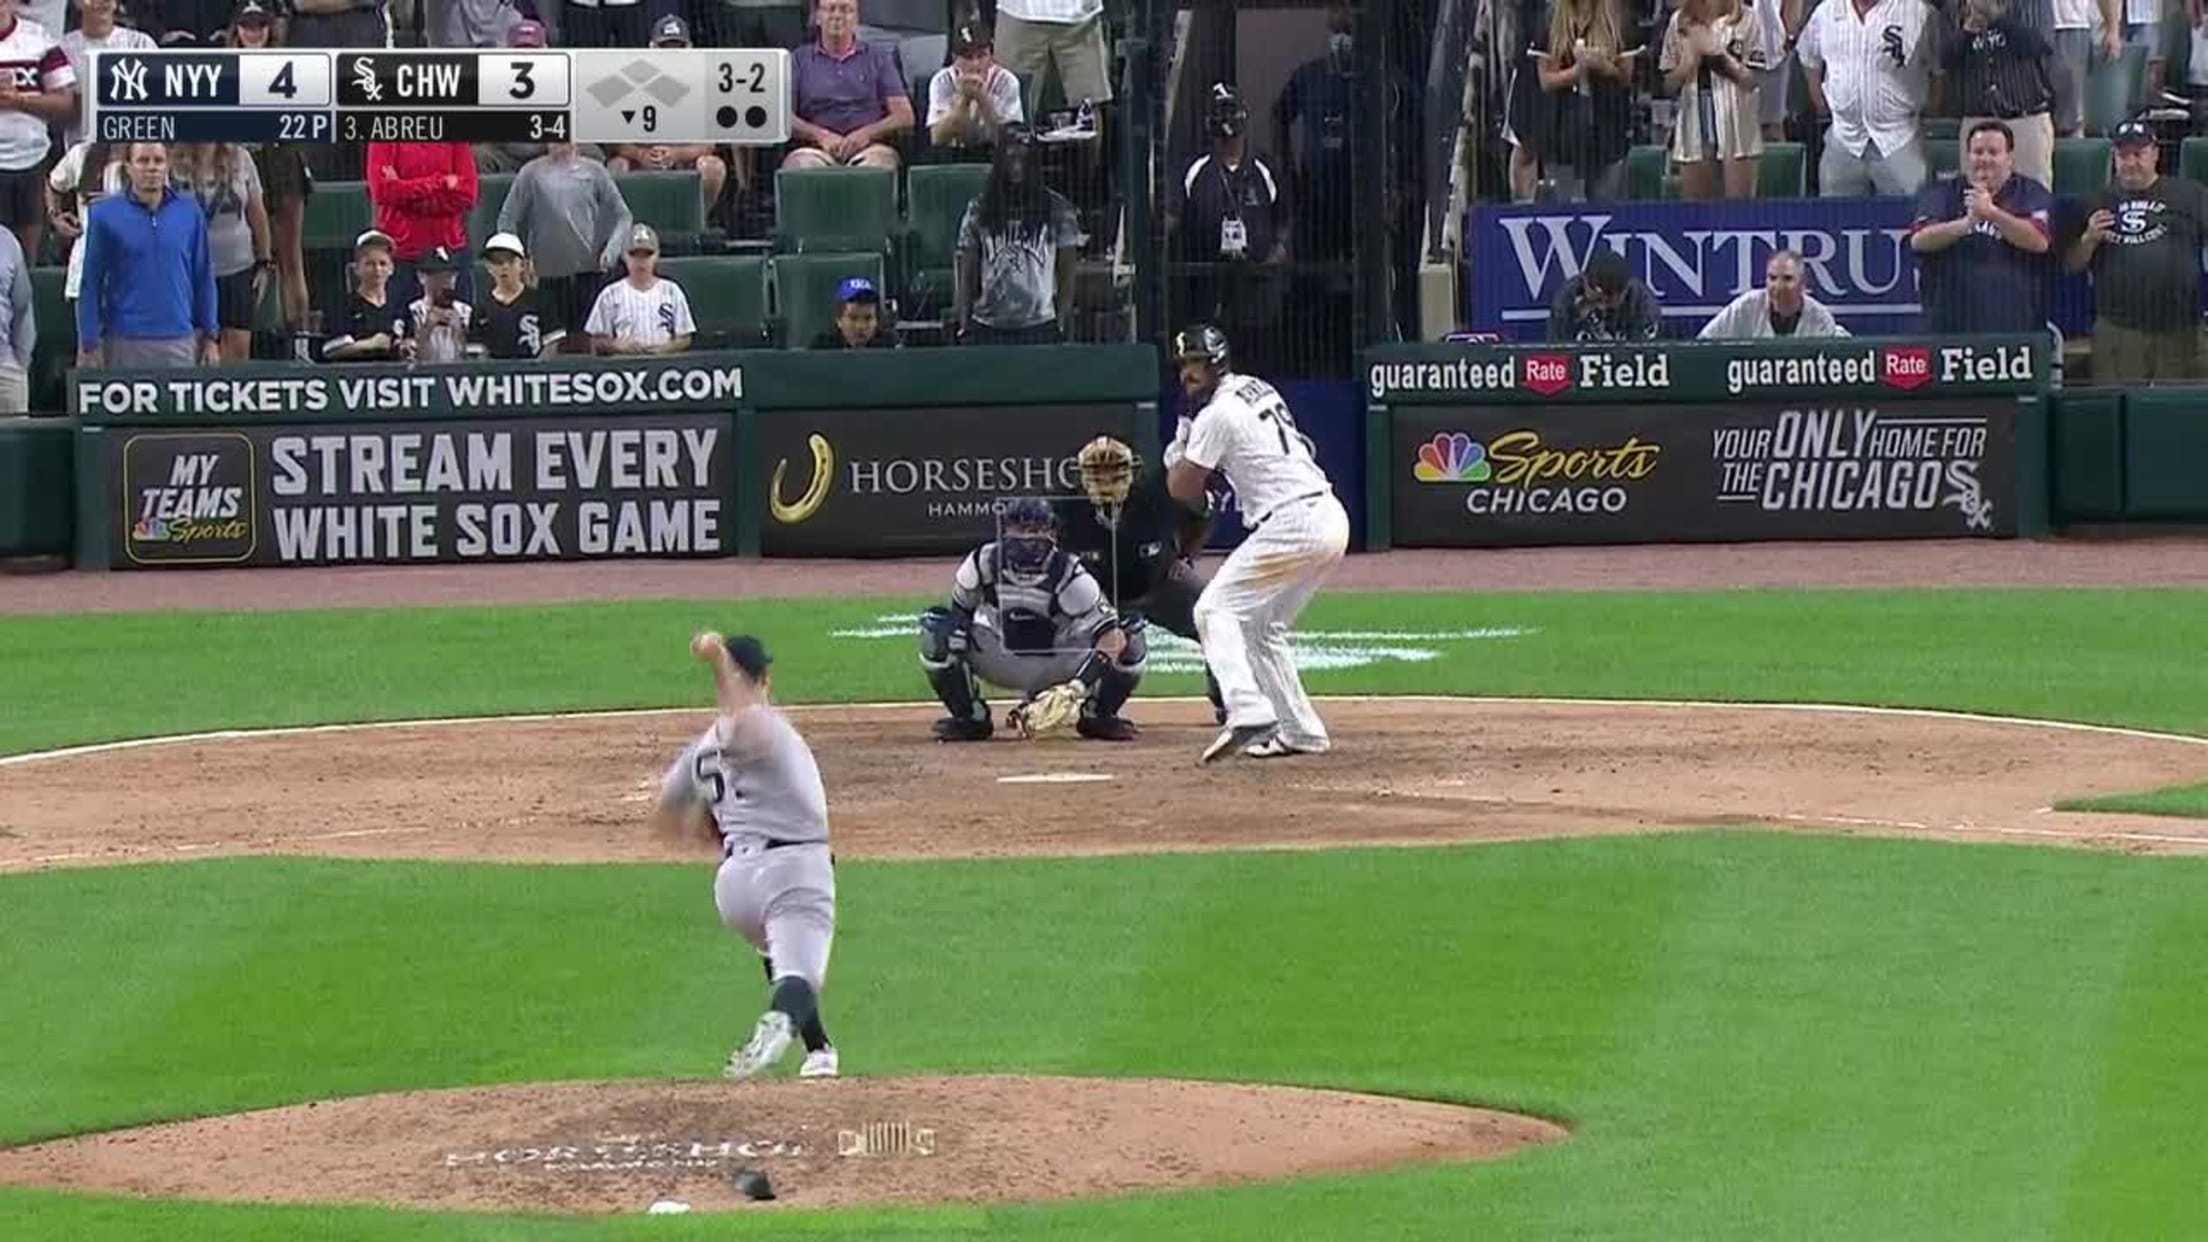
(439, 259)
(2132, 134)
(749, 654)
(671, 31)
(857, 289)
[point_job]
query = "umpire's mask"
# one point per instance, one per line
(1107, 472)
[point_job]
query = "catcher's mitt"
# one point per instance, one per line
(1052, 711)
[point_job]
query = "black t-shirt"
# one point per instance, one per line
(1209, 194)
(1147, 535)
(1590, 126)
(522, 328)
(2147, 276)
(363, 319)
(833, 339)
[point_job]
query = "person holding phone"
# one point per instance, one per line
(1586, 69)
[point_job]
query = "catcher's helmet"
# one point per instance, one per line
(1107, 471)
(1026, 533)
(1225, 115)
(1200, 342)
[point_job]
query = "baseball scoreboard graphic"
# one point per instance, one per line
(601, 95)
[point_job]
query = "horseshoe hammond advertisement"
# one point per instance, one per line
(1487, 476)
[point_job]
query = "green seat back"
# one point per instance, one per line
(2192, 159)
(835, 209)
(805, 290)
(56, 351)
(1645, 169)
(337, 214)
(1782, 172)
(1944, 156)
(670, 202)
(2081, 165)
(936, 197)
(728, 297)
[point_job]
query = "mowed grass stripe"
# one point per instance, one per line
(1754, 1035)
(2112, 657)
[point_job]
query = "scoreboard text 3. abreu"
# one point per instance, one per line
(603, 95)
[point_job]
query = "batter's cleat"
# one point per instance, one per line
(1236, 737)
(1277, 746)
(964, 729)
(770, 1041)
(1106, 728)
(821, 1064)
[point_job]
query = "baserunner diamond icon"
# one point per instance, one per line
(637, 75)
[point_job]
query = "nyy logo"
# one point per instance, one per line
(129, 80)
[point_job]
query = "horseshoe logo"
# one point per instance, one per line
(816, 492)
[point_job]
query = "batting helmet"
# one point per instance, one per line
(1200, 342)
(1107, 471)
(1026, 534)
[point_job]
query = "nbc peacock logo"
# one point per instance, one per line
(1452, 457)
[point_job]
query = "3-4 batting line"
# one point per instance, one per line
(1855, 709)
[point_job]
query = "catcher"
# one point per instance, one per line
(1139, 542)
(1026, 616)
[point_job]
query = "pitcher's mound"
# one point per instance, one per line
(620, 1146)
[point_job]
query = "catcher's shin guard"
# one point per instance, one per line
(1120, 677)
(943, 657)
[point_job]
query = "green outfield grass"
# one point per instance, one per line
(2185, 801)
(1754, 1036)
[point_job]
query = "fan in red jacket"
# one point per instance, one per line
(422, 193)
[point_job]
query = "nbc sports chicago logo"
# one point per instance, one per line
(1517, 473)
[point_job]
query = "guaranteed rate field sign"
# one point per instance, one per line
(412, 493)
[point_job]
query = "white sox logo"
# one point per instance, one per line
(22, 77)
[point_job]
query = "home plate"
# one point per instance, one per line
(1055, 778)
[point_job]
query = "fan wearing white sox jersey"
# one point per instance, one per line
(1298, 532)
(643, 313)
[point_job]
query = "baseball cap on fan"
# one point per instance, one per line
(253, 13)
(438, 259)
(857, 289)
(671, 31)
(504, 243)
(2132, 133)
(527, 33)
(642, 240)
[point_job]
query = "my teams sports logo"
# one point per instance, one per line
(1452, 457)
(187, 498)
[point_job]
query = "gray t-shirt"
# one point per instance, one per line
(229, 237)
(775, 793)
(569, 213)
(1019, 265)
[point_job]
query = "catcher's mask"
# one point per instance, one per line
(1107, 471)
(1025, 536)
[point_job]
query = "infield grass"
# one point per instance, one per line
(2184, 801)
(1754, 1036)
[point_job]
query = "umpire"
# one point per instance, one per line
(1138, 542)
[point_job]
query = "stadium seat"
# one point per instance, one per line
(805, 290)
(2192, 159)
(1645, 169)
(728, 298)
(490, 195)
(670, 202)
(337, 213)
(2081, 165)
(1781, 174)
(56, 351)
(936, 198)
(834, 209)
(1944, 156)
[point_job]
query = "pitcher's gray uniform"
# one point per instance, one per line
(777, 884)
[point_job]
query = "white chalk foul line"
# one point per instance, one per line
(1055, 778)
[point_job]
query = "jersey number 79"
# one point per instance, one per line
(1275, 411)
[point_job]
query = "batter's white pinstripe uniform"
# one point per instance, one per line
(1298, 533)
(651, 316)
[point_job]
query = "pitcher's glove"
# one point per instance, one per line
(1051, 711)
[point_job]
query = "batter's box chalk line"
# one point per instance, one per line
(1315, 649)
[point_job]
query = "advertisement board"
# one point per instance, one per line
(912, 482)
(410, 493)
(1811, 468)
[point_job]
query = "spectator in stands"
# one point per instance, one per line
(1034, 36)
(18, 327)
(1226, 211)
(475, 23)
(1713, 57)
(183, 24)
(1587, 67)
(514, 321)
(574, 221)
(1777, 22)
(1982, 241)
(97, 31)
(85, 174)
(1781, 308)
(440, 320)
(149, 284)
(748, 23)
(858, 318)
(422, 193)
(2071, 66)
(285, 185)
(39, 90)
(973, 97)
(1018, 248)
(605, 23)
(848, 97)
(509, 157)
(700, 157)
(1869, 67)
(1997, 64)
(1606, 302)
(373, 326)
(1527, 109)
(338, 24)
(1311, 129)
(2144, 29)
(2142, 243)
(644, 313)
(222, 177)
